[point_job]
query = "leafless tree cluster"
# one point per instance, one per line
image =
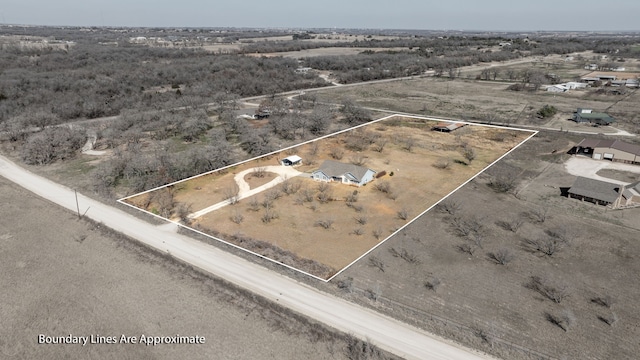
(290, 186)
(52, 144)
(363, 350)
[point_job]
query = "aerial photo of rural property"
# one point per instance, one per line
(335, 180)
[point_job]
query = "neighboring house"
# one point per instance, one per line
(292, 160)
(630, 195)
(447, 127)
(571, 85)
(575, 85)
(345, 173)
(613, 150)
(595, 191)
(588, 116)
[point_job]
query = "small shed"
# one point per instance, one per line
(447, 127)
(292, 160)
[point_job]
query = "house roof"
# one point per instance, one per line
(613, 144)
(596, 115)
(336, 169)
(292, 158)
(448, 126)
(631, 190)
(595, 189)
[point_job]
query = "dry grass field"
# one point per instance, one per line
(488, 101)
(333, 224)
(64, 276)
(578, 303)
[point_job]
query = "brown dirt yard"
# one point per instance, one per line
(473, 298)
(421, 166)
(65, 276)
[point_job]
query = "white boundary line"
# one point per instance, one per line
(122, 200)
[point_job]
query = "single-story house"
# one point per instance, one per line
(559, 88)
(630, 195)
(595, 191)
(613, 150)
(345, 173)
(292, 160)
(588, 116)
(447, 127)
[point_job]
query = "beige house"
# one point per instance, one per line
(630, 195)
(612, 150)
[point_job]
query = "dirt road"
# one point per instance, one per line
(244, 191)
(389, 334)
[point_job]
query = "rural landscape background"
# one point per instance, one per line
(507, 265)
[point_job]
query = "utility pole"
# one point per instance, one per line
(77, 205)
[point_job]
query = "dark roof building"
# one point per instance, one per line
(614, 150)
(588, 116)
(595, 191)
(447, 127)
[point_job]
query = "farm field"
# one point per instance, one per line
(320, 227)
(489, 101)
(68, 276)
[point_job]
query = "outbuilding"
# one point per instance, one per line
(292, 160)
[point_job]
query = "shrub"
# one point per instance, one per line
(547, 111)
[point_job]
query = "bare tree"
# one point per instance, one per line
(358, 160)
(449, 206)
(551, 290)
(502, 256)
(432, 283)
(358, 231)
(336, 152)
(605, 300)
(609, 319)
(324, 223)
(469, 153)
(232, 194)
(546, 245)
(377, 263)
(403, 214)
(237, 217)
(259, 172)
(467, 248)
(377, 233)
(565, 320)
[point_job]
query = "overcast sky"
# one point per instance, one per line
(600, 15)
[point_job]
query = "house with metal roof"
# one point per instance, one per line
(447, 127)
(613, 150)
(588, 116)
(345, 173)
(292, 160)
(595, 191)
